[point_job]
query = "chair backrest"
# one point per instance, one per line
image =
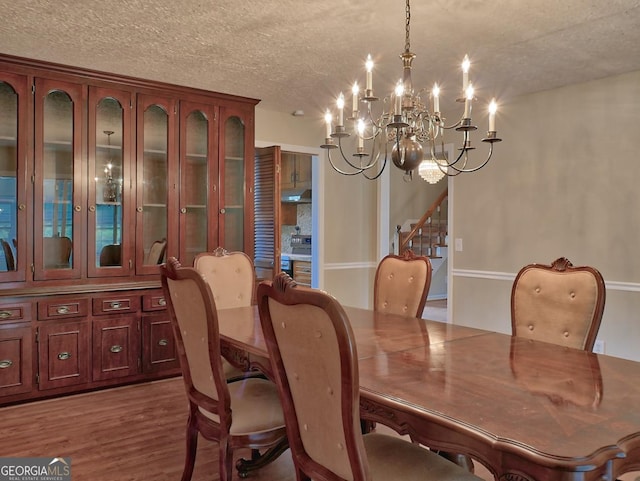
(194, 320)
(57, 252)
(156, 252)
(558, 303)
(230, 275)
(8, 255)
(401, 284)
(111, 255)
(313, 354)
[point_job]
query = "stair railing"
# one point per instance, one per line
(405, 239)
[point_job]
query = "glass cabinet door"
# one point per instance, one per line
(237, 174)
(109, 146)
(13, 213)
(155, 181)
(197, 162)
(57, 229)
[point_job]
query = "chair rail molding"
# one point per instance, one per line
(508, 276)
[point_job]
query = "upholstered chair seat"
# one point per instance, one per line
(401, 284)
(558, 303)
(244, 414)
(315, 364)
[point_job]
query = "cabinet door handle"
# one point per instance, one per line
(163, 342)
(139, 209)
(115, 348)
(5, 363)
(183, 210)
(92, 208)
(77, 208)
(5, 314)
(62, 310)
(222, 211)
(63, 356)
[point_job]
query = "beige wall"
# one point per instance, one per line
(562, 183)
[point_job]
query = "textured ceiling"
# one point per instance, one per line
(299, 54)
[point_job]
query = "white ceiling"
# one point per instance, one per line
(299, 54)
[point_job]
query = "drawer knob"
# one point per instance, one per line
(62, 310)
(5, 363)
(115, 348)
(115, 305)
(163, 342)
(5, 314)
(63, 356)
(162, 301)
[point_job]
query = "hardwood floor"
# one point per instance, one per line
(132, 433)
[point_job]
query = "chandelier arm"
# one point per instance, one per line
(340, 171)
(478, 167)
(357, 167)
(384, 164)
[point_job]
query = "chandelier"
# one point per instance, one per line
(410, 130)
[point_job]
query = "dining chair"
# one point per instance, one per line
(8, 255)
(156, 252)
(315, 365)
(558, 303)
(231, 277)
(401, 284)
(110, 255)
(243, 414)
(57, 252)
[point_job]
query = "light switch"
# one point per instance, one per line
(458, 244)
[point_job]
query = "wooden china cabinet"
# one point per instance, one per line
(102, 177)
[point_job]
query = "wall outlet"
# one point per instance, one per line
(598, 347)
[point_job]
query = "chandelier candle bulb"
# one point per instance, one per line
(493, 107)
(328, 118)
(369, 66)
(467, 101)
(340, 104)
(436, 98)
(399, 94)
(360, 135)
(355, 90)
(466, 64)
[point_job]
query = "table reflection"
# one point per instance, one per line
(571, 377)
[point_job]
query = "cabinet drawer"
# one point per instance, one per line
(154, 302)
(302, 272)
(114, 304)
(15, 312)
(61, 308)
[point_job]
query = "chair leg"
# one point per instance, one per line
(258, 460)
(226, 461)
(192, 447)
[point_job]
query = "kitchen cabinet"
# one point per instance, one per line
(296, 171)
(102, 177)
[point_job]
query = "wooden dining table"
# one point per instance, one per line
(526, 410)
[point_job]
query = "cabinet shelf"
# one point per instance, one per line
(196, 206)
(234, 159)
(157, 206)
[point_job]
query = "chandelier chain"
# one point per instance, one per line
(407, 42)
